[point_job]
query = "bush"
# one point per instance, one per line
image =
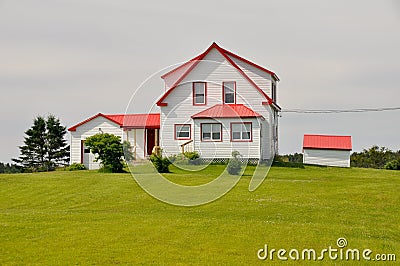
(234, 165)
(393, 165)
(76, 167)
(292, 161)
(160, 163)
(192, 155)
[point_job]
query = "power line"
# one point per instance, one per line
(334, 111)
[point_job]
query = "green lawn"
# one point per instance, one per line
(92, 218)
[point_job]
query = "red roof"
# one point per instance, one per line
(127, 121)
(227, 111)
(327, 142)
(226, 54)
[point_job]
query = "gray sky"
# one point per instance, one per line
(77, 58)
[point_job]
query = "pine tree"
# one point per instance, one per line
(57, 149)
(44, 145)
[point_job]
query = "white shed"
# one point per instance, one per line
(327, 150)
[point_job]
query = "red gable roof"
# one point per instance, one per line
(226, 55)
(227, 111)
(327, 142)
(127, 121)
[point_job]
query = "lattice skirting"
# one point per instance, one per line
(250, 161)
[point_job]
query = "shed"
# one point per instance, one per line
(327, 150)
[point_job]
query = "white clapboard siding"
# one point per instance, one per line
(214, 69)
(340, 158)
(88, 129)
(224, 149)
(261, 78)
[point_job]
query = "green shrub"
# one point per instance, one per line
(393, 165)
(234, 165)
(192, 155)
(76, 167)
(160, 163)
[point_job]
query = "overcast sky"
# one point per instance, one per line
(76, 58)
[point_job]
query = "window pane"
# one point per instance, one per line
(235, 135)
(206, 128)
(183, 134)
(229, 92)
(182, 131)
(236, 127)
(199, 99)
(229, 98)
(206, 136)
(199, 92)
(245, 135)
(216, 135)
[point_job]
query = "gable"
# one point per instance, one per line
(228, 58)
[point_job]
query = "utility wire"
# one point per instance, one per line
(333, 111)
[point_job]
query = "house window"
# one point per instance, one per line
(199, 93)
(182, 131)
(241, 131)
(211, 132)
(229, 91)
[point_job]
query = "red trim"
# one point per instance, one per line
(196, 60)
(151, 120)
(243, 74)
(73, 128)
(243, 140)
(223, 92)
(190, 131)
(145, 143)
(253, 64)
(211, 140)
(179, 67)
(227, 111)
(205, 93)
(224, 53)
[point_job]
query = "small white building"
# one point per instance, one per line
(327, 150)
(141, 130)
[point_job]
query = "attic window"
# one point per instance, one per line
(229, 92)
(199, 93)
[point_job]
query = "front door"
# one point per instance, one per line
(150, 140)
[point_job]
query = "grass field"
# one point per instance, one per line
(92, 218)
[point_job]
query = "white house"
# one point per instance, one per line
(215, 103)
(327, 150)
(219, 102)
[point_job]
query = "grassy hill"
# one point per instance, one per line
(92, 218)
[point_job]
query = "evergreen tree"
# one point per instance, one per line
(44, 145)
(34, 151)
(57, 148)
